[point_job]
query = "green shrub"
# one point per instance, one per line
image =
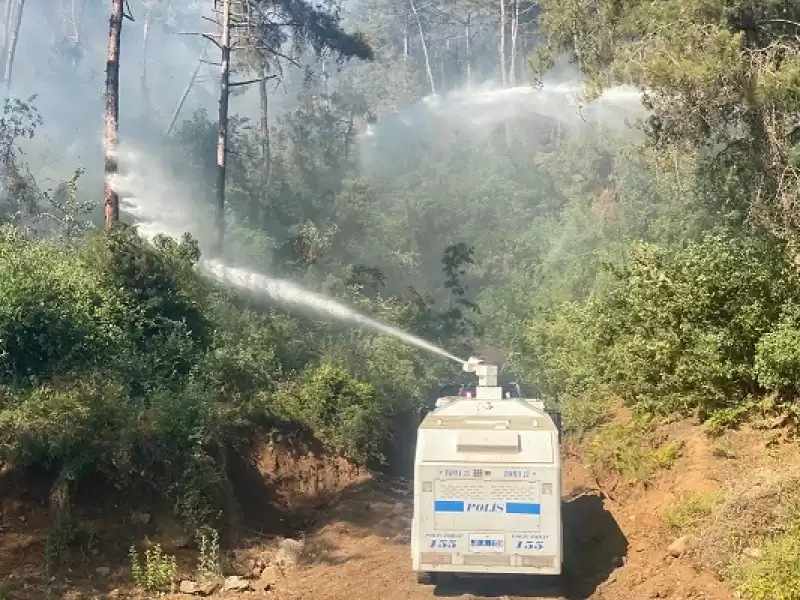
(681, 330)
(778, 357)
(342, 409)
(632, 450)
(73, 426)
(59, 538)
(560, 350)
(50, 320)
(157, 300)
(728, 418)
(157, 572)
(98, 354)
(584, 412)
(676, 332)
(210, 560)
(775, 573)
(116, 356)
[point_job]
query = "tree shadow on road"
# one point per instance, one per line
(594, 544)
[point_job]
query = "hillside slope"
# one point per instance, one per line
(621, 536)
(351, 533)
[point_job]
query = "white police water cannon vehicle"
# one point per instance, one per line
(487, 486)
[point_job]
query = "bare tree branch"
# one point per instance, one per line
(779, 22)
(279, 54)
(127, 14)
(249, 81)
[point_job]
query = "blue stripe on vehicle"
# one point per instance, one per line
(448, 506)
(523, 508)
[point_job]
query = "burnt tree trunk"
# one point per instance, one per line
(111, 198)
(222, 141)
(12, 43)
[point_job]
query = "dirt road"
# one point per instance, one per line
(362, 553)
(356, 545)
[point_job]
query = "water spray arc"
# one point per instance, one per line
(287, 293)
(487, 106)
(159, 207)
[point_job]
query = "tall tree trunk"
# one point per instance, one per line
(145, 92)
(405, 43)
(325, 78)
(8, 14)
(186, 91)
(442, 66)
(512, 68)
(503, 42)
(76, 21)
(111, 199)
(503, 74)
(222, 140)
(424, 47)
(266, 149)
(4, 32)
(348, 136)
(12, 44)
(264, 96)
(467, 36)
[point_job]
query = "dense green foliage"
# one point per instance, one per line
(721, 78)
(658, 270)
(702, 321)
(118, 358)
(693, 330)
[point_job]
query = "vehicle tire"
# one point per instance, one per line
(426, 578)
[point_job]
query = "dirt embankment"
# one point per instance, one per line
(351, 532)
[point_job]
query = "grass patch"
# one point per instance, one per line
(751, 514)
(691, 509)
(633, 450)
(768, 412)
(730, 418)
(774, 573)
(665, 455)
(722, 450)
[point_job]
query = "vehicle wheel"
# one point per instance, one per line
(426, 578)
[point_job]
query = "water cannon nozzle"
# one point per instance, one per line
(471, 364)
(487, 374)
